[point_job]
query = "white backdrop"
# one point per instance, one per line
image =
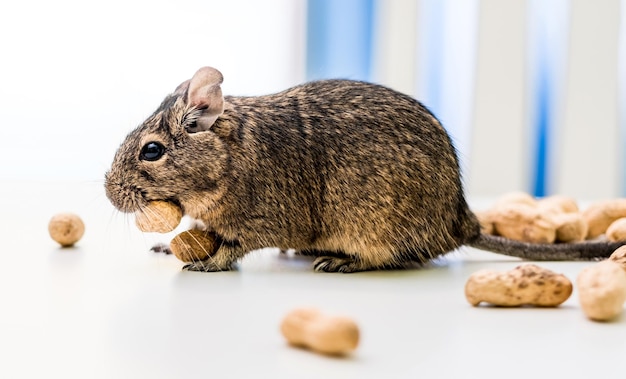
(76, 76)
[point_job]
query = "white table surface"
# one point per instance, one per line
(109, 308)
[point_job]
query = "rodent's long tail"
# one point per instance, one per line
(577, 251)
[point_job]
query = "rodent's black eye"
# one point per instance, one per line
(192, 125)
(152, 151)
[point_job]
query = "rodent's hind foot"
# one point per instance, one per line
(321, 253)
(206, 266)
(338, 264)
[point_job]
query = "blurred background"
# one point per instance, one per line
(532, 91)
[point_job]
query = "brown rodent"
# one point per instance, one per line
(361, 175)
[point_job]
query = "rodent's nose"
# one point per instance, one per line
(117, 194)
(108, 189)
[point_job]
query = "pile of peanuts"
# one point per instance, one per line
(554, 219)
(519, 216)
(601, 287)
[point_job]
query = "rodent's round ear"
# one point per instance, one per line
(204, 89)
(205, 93)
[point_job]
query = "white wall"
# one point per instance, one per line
(76, 76)
(499, 156)
(480, 78)
(588, 163)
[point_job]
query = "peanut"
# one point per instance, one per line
(515, 198)
(601, 215)
(602, 290)
(193, 245)
(525, 285)
(619, 257)
(523, 222)
(310, 329)
(617, 230)
(558, 203)
(159, 217)
(485, 219)
(66, 228)
(570, 227)
(521, 217)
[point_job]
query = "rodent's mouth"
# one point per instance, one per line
(131, 200)
(126, 199)
(126, 205)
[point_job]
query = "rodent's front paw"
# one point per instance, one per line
(161, 248)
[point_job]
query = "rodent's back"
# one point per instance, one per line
(365, 168)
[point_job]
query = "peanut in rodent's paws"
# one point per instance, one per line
(66, 228)
(527, 284)
(602, 290)
(602, 214)
(193, 245)
(159, 217)
(309, 328)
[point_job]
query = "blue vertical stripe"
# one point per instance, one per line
(447, 62)
(548, 30)
(339, 39)
(542, 124)
(622, 94)
(431, 60)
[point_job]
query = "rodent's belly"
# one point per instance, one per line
(261, 232)
(255, 232)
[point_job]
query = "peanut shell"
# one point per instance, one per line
(159, 217)
(66, 228)
(617, 230)
(600, 215)
(193, 245)
(523, 222)
(310, 329)
(570, 227)
(525, 285)
(619, 257)
(602, 290)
